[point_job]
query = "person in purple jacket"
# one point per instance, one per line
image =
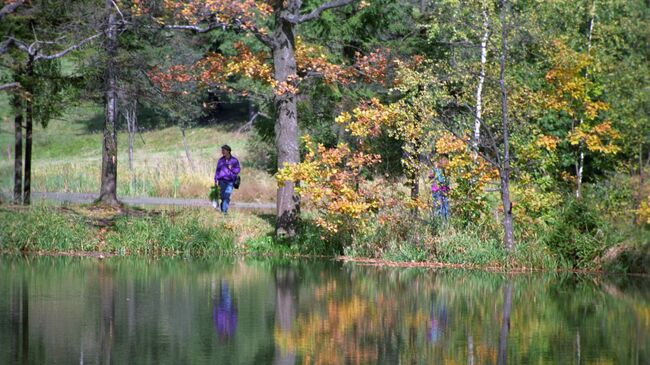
(225, 176)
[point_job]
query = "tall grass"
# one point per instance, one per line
(67, 158)
(43, 229)
(168, 235)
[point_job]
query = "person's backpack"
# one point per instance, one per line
(237, 182)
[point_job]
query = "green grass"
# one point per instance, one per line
(43, 229)
(49, 229)
(205, 233)
(133, 232)
(168, 235)
(67, 158)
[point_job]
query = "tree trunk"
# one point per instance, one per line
(479, 89)
(131, 126)
(29, 122)
(187, 149)
(286, 125)
(414, 175)
(508, 235)
(581, 147)
(580, 167)
(504, 171)
(18, 152)
(108, 190)
(131, 115)
(639, 195)
(502, 357)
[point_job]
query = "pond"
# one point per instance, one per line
(172, 311)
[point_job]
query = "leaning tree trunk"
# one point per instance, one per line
(504, 170)
(108, 190)
(188, 155)
(29, 122)
(130, 114)
(286, 125)
(18, 152)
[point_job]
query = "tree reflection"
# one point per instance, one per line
(19, 322)
(286, 302)
(310, 314)
(107, 321)
(505, 324)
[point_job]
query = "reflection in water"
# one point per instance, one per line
(505, 324)
(224, 313)
(437, 322)
(19, 319)
(107, 321)
(285, 313)
(130, 311)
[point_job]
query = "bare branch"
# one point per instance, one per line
(118, 10)
(195, 28)
(223, 26)
(10, 85)
(10, 8)
(20, 44)
(69, 49)
(314, 14)
(4, 45)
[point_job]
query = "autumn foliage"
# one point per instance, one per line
(573, 93)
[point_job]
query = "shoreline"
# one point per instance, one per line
(104, 232)
(362, 261)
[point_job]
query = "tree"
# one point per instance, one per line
(35, 72)
(282, 18)
(578, 97)
(503, 161)
(108, 188)
(494, 145)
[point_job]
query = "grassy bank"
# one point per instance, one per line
(67, 158)
(87, 229)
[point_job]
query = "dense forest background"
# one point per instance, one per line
(540, 110)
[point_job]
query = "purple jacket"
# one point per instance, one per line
(227, 170)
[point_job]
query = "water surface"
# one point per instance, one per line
(59, 310)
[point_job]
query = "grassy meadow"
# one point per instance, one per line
(67, 158)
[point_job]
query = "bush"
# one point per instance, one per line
(466, 247)
(577, 234)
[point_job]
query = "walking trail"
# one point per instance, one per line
(80, 198)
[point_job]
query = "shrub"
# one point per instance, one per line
(577, 234)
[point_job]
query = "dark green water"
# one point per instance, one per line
(133, 311)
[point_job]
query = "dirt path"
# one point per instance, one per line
(80, 198)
